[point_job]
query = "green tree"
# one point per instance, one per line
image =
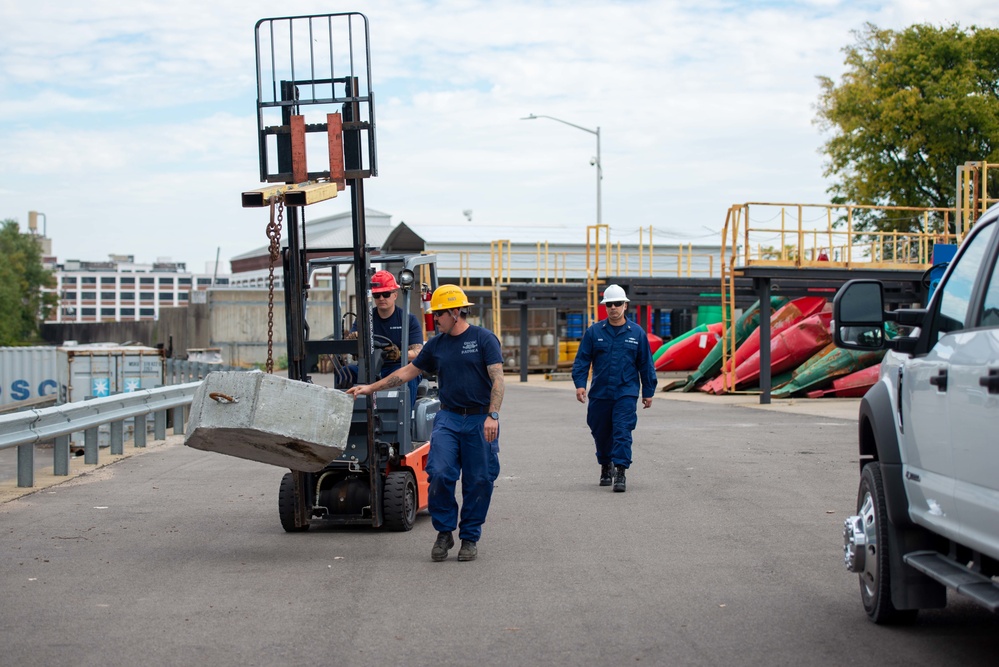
(22, 277)
(911, 107)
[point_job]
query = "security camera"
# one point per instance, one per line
(593, 161)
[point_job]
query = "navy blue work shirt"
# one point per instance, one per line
(391, 328)
(461, 364)
(621, 360)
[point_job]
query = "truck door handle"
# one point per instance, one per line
(991, 381)
(940, 380)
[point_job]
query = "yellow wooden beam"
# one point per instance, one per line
(311, 193)
(294, 194)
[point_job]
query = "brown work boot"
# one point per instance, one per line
(444, 542)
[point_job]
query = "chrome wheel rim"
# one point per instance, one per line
(869, 572)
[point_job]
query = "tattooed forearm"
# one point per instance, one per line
(496, 395)
(392, 381)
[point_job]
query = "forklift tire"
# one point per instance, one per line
(399, 502)
(286, 505)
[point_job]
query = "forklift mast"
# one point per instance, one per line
(315, 104)
(316, 138)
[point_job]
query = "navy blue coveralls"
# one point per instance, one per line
(622, 368)
(458, 444)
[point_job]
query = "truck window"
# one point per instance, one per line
(990, 305)
(952, 312)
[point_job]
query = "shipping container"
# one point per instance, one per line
(103, 369)
(27, 374)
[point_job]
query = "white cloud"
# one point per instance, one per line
(132, 125)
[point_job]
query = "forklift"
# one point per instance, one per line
(320, 65)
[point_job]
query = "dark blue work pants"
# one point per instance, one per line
(458, 446)
(611, 421)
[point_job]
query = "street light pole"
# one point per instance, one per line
(596, 161)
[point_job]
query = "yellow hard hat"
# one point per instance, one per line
(446, 297)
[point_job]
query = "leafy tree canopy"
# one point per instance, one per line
(911, 107)
(22, 276)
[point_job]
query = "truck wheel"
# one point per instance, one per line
(399, 506)
(286, 504)
(875, 578)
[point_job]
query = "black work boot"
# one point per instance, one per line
(443, 543)
(605, 473)
(468, 551)
(619, 479)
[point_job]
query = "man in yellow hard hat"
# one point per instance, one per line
(465, 439)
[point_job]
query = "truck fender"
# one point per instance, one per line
(878, 440)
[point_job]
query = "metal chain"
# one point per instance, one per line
(274, 254)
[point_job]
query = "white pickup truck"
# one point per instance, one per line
(928, 504)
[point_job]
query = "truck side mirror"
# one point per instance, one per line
(858, 315)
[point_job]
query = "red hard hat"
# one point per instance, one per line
(383, 281)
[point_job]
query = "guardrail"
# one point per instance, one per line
(26, 429)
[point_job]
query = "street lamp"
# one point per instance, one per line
(595, 161)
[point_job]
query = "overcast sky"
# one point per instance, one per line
(131, 125)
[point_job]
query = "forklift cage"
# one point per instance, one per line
(300, 62)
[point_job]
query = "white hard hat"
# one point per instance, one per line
(614, 293)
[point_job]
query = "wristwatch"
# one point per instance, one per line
(494, 415)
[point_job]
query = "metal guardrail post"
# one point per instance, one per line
(117, 438)
(60, 466)
(90, 446)
(139, 434)
(178, 420)
(26, 465)
(159, 425)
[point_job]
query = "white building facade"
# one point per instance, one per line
(122, 290)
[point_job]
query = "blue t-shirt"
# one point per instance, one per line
(391, 328)
(460, 363)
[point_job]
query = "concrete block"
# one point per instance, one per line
(261, 417)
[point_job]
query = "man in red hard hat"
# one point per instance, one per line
(387, 321)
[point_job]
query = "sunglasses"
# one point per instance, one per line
(614, 304)
(381, 295)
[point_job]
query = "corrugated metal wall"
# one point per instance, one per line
(183, 327)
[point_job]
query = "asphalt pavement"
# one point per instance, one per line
(725, 550)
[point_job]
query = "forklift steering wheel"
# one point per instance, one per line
(380, 342)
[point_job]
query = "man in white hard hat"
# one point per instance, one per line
(618, 352)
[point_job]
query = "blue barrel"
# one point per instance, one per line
(664, 325)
